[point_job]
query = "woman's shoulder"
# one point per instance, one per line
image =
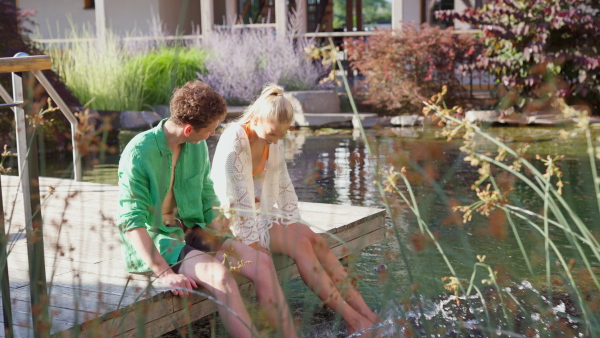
(233, 129)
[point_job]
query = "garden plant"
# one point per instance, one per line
(452, 284)
(529, 42)
(114, 75)
(400, 67)
(241, 61)
(559, 292)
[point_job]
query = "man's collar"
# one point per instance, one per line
(161, 139)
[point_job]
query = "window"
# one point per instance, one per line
(89, 4)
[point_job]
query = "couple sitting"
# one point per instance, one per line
(170, 224)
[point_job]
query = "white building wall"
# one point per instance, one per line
(405, 11)
(459, 7)
(123, 16)
(411, 11)
(52, 16)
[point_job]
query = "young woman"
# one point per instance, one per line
(250, 177)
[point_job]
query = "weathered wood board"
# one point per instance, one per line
(92, 292)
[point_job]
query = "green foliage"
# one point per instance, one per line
(532, 43)
(404, 66)
(97, 72)
(166, 69)
(14, 39)
(109, 76)
(374, 11)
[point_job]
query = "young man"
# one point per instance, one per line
(167, 219)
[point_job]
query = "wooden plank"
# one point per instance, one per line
(19, 331)
(22, 312)
(70, 299)
(25, 63)
(204, 307)
(184, 315)
(82, 245)
(106, 268)
(130, 317)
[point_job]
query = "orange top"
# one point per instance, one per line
(261, 165)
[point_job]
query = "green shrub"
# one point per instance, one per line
(96, 74)
(111, 76)
(164, 70)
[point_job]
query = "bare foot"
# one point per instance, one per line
(359, 325)
(375, 319)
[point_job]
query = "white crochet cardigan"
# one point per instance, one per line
(233, 183)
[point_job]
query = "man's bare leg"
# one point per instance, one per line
(211, 274)
(261, 271)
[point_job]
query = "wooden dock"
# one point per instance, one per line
(90, 291)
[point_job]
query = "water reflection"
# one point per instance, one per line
(335, 168)
(331, 169)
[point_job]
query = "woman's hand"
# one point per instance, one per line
(180, 284)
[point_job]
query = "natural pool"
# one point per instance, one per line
(331, 166)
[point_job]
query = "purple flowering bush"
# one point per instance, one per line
(530, 44)
(241, 61)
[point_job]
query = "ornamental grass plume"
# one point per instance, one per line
(557, 214)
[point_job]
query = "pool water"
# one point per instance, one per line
(401, 277)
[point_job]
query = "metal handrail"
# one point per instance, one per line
(78, 175)
(29, 174)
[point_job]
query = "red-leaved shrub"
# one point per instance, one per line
(401, 67)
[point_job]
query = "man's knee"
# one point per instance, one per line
(265, 262)
(207, 266)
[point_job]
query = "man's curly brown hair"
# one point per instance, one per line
(197, 104)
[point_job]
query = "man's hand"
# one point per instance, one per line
(177, 282)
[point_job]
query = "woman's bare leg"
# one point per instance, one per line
(261, 271)
(336, 271)
(316, 278)
(211, 274)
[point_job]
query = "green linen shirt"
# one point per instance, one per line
(144, 178)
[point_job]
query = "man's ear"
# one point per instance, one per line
(187, 130)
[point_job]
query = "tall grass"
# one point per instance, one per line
(166, 69)
(99, 73)
(117, 75)
(558, 296)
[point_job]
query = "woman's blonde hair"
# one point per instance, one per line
(270, 105)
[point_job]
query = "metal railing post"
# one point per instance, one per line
(77, 173)
(4, 280)
(77, 170)
(28, 170)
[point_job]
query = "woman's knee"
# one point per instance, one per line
(317, 241)
(302, 245)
